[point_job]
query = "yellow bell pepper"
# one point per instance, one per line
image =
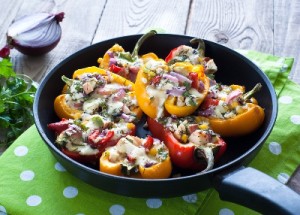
(241, 124)
(160, 102)
(188, 69)
(247, 117)
(63, 110)
(121, 62)
(125, 165)
(150, 106)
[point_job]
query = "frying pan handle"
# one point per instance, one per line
(258, 191)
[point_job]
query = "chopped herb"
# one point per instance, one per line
(16, 101)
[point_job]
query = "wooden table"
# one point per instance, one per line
(270, 26)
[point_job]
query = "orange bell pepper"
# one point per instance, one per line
(248, 114)
(123, 63)
(241, 124)
(177, 90)
(147, 158)
(196, 74)
(63, 110)
(152, 105)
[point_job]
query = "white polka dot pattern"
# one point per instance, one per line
(117, 210)
(59, 167)
(154, 203)
(70, 192)
(33, 200)
(192, 198)
(285, 99)
(27, 175)
(295, 119)
(21, 151)
(226, 211)
(275, 148)
(2, 210)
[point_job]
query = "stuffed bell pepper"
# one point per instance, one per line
(93, 90)
(137, 157)
(187, 54)
(85, 138)
(231, 111)
(123, 63)
(176, 90)
(192, 144)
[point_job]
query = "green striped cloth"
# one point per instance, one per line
(33, 182)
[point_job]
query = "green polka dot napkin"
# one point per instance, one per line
(33, 182)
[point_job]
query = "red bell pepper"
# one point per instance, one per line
(188, 155)
(71, 138)
(104, 139)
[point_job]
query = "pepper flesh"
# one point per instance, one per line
(129, 69)
(146, 103)
(63, 110)
(242, 123)
(184, 154)
(152, 105)
(186, 110)
(160, 170)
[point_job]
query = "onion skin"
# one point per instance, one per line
(35, 34)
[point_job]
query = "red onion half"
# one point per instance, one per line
(35, 34)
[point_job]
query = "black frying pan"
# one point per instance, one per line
(230, 177)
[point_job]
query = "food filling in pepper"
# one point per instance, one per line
(94, 93)
(89, 135)
(136, 157)
(191, 142)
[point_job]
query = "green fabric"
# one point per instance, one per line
(33, 182)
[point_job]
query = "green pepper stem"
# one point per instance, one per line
(68, 81)
(255, 89)
(201, 46)
(140, 42)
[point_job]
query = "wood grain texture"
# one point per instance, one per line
(233, 23)
(79, 25)
(287, 33)
(132, 17)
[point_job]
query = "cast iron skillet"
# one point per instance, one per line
(230, 177)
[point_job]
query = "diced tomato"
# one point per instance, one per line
(156, 79)
(209, 102)
(148, 142)
(195, 81)
(116, 69)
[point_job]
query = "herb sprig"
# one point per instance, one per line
(16, 101)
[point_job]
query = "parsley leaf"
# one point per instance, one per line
(16, 101)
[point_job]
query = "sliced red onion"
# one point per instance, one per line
(112, 60)
(35, 34)
(205, 113)
(232, 95)
(181, 78)
(119, 95)
(201, 86)
(176, 91)
(170, 77)
(110, 53)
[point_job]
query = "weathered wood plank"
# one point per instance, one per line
(287, 33)
(78, 27)
(120, 18)
(236, 24)
(8, 9)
